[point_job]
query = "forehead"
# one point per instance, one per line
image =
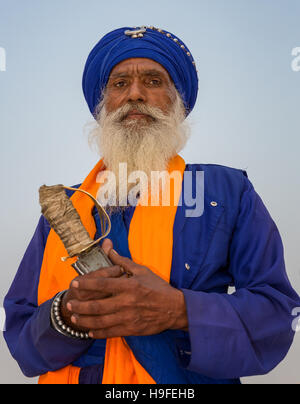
(140, 66)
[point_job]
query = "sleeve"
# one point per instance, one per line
(32, 341)
(249, 332)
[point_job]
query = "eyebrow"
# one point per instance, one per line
(152, 73)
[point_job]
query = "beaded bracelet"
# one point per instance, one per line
(59, 325)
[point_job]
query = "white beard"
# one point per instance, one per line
(141, 145)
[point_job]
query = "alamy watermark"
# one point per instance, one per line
(2, 60)
(296, 60)
(162, 189)
(2, 319)
(296, 322)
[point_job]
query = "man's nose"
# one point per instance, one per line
(136, 92)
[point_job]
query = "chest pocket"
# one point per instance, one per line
(198, 241)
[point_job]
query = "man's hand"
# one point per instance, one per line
(111, 304)
(79, 295)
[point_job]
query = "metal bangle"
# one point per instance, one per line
(58, 323)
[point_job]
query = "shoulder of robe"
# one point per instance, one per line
(222, 182)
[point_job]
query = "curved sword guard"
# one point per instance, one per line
(104, 220)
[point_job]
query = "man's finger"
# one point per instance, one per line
(109, 272)
(96, 322)
(107, 245)
(96, 307)
(101, 284)
(113, 332)
(123, 262)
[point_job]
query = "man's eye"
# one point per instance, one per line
(154, 82)
(120, 84)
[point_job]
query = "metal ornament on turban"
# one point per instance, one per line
(145, 42)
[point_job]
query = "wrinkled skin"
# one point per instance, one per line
(108, 303)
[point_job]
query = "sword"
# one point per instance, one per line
(63, 218)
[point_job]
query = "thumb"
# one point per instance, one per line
(124, 262)
(107, 246)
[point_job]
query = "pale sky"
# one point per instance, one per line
(247, 115)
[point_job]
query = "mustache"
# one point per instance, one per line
(121, 114)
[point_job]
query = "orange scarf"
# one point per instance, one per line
(150, 244)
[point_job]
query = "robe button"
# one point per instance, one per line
(214, 204)
(187, 267)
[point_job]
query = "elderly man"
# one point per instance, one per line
(161, 313)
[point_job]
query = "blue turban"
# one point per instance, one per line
(158, 45)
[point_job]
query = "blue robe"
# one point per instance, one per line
(234, 243)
